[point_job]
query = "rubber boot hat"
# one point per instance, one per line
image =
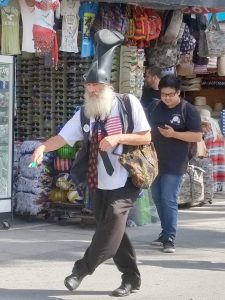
(106, 42)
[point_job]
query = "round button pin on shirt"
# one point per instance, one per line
(86, 128)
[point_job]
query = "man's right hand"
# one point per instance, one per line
(38, 154)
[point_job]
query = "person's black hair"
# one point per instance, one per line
(154, 71)
(170, 81)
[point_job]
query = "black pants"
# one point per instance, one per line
(110, 239)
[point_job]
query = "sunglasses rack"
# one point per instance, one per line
(47, 98)
(131, 70)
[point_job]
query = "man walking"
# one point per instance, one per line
(175, 124)
(113, 194)
(151, 91)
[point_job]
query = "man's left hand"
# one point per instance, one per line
(167, 132)
(109, 142)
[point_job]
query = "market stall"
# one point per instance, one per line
(52, 42)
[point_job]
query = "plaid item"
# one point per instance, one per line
(92, 177)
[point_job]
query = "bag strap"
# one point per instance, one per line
(192, 151)
(152, 106)
(125, 112)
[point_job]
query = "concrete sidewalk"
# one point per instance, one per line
(35, 258)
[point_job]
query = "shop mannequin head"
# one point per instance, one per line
(98, 100)
(152, 77)
(169, 87)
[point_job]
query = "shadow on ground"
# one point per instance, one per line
(7, 294)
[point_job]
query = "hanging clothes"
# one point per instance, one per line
(27, 13)
(10, 43)
(70, 13)
(45, 38)
(87, 13)
(216, 153)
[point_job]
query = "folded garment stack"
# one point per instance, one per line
(34, 184)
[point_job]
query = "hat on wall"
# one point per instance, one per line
(201, 103)
(205, 115)
(218, 107)
(106, 43)
(191, 83)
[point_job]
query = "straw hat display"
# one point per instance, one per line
(201, 103)
(218, 107)
(191, 84)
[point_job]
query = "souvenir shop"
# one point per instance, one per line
(51, 45)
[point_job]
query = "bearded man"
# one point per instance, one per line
(114, 194)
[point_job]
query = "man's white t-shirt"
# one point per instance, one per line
(72, 132)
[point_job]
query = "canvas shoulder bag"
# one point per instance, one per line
(140, 161)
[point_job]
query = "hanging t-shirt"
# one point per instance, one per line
(10, 43)
(70, 11)
(72, 132)
(88, 12)
(27, 13)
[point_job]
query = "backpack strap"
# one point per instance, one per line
(151, 108)
(192, 151)
(183, 109)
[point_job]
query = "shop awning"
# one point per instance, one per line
(171, 4)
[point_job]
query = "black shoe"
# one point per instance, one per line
(168, 246)
(72, 282)
(158, 242)
(124, 290)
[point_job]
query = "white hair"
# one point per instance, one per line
(100, 104)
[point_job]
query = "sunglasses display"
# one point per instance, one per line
(47, 98)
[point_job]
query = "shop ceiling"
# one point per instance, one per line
(172, 4)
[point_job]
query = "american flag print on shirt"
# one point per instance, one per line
(113, 126)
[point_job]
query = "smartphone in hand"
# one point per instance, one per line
(163, 126)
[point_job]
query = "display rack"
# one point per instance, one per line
(6, 138)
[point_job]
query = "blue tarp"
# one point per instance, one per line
(220, 16)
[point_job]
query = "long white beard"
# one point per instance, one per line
(99, 105)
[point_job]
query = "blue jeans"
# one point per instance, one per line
(165, 190)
